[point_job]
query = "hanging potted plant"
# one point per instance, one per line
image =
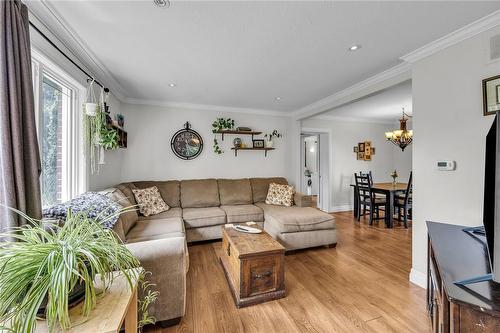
(92, 127)
(269, 138)
(221, 125)
(90, 106)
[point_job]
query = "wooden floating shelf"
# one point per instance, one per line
(252, 133)
(251, 148)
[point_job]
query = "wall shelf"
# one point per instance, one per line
(252, 133)
(251, 148)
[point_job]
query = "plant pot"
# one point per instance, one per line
(91, 109)
(74, 298)
(269, 144)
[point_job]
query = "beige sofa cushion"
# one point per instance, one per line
(172, 212)
(203, 217)
(199, 193)
(126, 189)
(296, 219)
(243, 213)
(170, 190)
(235, 191)
(260, 187)
(128, 218)
(156, 229)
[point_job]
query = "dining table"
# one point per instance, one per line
(387, 189)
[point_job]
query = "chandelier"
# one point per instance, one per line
(401, 137)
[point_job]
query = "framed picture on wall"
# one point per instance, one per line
(361, 155)
(491, 95)
(361, 147)
(372, 151)
(355, 149)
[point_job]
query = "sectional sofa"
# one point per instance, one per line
(199, 208)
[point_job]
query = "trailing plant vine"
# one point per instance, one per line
(221, 124)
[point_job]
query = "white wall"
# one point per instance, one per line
(149, 156)
(448, 124)
(345, 135)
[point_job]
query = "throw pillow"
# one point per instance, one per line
(150, 201)
(281, 195)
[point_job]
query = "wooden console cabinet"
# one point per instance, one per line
(454, 255)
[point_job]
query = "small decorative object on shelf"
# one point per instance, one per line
(243, 129)
(237, 142)
(120, 120)
(394, 175)
(187, 143)
(269, 138)
(258, 143)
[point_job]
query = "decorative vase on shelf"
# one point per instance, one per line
(237, 143)
(394, 175)
(269, 144)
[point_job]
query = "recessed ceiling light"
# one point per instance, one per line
(355, 47)
(277, 98)
(172, 85)
(162, 3)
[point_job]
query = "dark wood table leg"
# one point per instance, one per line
(389, 217)
(356, 203)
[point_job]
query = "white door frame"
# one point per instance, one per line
(326, 185)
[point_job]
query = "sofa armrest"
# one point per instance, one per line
(302, 200)
(167, 260)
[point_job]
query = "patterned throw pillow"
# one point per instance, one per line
(281, 195)
(150, 201)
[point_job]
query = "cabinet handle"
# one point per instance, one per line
(263, 275)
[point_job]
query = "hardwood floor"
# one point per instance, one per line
(359, 286)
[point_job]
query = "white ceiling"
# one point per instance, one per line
(244, 54)
(383, 106)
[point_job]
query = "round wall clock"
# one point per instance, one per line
(187, 143)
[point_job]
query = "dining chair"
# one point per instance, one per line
(403, 203)
(367, 198)
(369, 174)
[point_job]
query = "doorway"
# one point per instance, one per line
(314, 167)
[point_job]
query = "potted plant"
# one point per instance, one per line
(394, 176)
(90, 106)
(47, 265)
(269, 138)
(220, 125)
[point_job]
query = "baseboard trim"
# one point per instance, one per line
(342, 208)
(418, 278)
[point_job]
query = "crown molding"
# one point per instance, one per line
(65, 35)
(483, 24)
(207, 107)
(383, 80)
(354, 120)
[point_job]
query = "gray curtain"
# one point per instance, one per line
(19, 154)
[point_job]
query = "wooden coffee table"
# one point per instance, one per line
(254, 266)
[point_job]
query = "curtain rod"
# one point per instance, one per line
(66, 56)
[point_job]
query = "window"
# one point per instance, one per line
(57, 108)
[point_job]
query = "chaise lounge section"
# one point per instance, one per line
(198, 210)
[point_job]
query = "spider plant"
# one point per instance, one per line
(38, 265)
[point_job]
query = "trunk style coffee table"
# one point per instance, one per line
(254, 266)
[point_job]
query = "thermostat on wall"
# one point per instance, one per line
(446, 165)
